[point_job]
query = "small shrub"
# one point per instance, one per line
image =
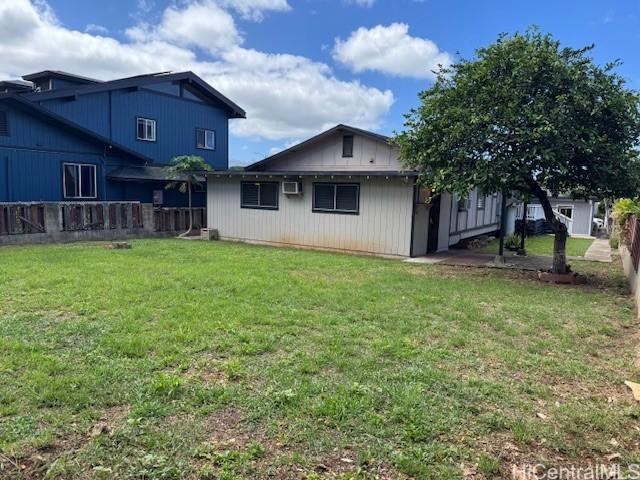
(614, 242)
(512, 242)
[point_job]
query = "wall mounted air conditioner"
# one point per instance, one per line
(292, 188)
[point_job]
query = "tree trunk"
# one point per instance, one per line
(190, 211)
(190, 229)
(559, 229)
(560, 249)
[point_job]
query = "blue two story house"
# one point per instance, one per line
(64, 137)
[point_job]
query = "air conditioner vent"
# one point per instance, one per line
(292, 188)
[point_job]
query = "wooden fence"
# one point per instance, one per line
(71, 221)
(177, 219)
(633, 229)
(91, 216)
(18, 219)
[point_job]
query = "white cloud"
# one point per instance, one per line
(390, 49)
(254, 9)
(292, 96)
(361, 3)
(201, 24)
(97, 29)
(285, 96)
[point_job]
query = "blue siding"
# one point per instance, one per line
(90, 111)
(113, 115)
(31, 159)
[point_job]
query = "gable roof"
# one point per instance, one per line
(21, 103)
(14, 85)
(327, 133)
(59, 74)
(206, 91)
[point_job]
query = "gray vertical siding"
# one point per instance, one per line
(326, 155)
(474, 221)
(383, 225)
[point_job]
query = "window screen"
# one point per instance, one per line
(347, 146)
(259, 195)
(336, 197)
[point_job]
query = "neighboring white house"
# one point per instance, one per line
(344, 189)
(576, 214)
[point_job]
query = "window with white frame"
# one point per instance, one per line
(566, 210)
(79, 180)
(205, 139)
(146, 129)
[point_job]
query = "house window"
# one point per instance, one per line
(4, 124)
(567, 211)
(347, 146)
(158, 198)
(481, 202)
(43, 85)
(259, 195)
(336, 197)
(146, 129)
(464, 204)
(205, 139)
(79, 180)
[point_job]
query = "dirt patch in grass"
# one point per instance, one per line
(34, 463)
(237, 446)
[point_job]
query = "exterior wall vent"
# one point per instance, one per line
(292, 188)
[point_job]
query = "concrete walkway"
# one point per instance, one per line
(471, 258)
(599, 251)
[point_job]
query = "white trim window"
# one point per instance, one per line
(566, 210)
(79, 180)
(205, 139)
(146, 129)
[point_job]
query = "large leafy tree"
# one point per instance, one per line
(185, 171)
(529, 116)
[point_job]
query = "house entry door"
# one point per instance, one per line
(434, 225)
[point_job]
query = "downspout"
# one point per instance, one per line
(110, 118)
(103, 176)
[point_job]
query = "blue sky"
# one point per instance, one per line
(281, 60)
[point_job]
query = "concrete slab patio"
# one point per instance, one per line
(471, 258)
(599, 251)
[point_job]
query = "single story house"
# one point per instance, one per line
(576, 214)
(344, 189)
(64, 137)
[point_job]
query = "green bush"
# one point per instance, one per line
(512, 242)
(614, 242)
(624, 208)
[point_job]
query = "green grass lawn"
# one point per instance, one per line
(543, 245)
(181, 359)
